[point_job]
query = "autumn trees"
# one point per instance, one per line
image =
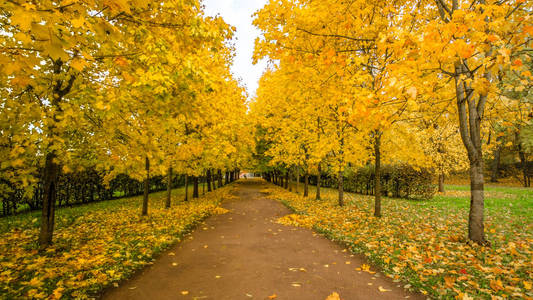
(132, 87)
(408, 82)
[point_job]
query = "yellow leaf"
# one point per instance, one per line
(184, 292)
(382, 289)
(79, 22)
(78, 64)
(334, 296)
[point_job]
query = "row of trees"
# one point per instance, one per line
(422, 83)
(141, 88)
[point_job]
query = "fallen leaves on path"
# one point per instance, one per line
(423, 244)
(95, 245)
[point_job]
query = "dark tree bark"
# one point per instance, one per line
(146, 187)
(208, 177)
(377, 178)
(51, 175)
(306, 184)
(51, 168)
(496, 163)
(195, 187)
(318, 177)
(186, 188)
(169, 187)
(227, 177)
(340, 181)
(219, 172)
(441, 183)
(297, 179)
(287, 180)
(523, 162)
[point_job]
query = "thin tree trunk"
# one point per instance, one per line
(195, 187)
(290, 173)
(146, 187)
(202, 181)
(227, 177)
(51, 175)
(470, 129)
(377, 178)
(441, 182)
(306, 184)
(318, 177)
(496, 163)
(297, 179)
(169, 187)
(208, 177)
(186, 188)
(219, 174)
(340, 180)
(287, 179)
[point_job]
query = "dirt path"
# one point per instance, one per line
(244, 254)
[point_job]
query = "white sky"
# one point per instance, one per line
(239, 14)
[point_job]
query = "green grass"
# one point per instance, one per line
(95, 244)
(422, 241)
(66, 215)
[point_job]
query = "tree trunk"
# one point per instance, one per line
(377, 178)
(287, 180)
(441, 182)
(227, 177)
(186, 188)
(219, 174)
(297, 179)
(306, 184)
(496, 163)
(146, 187)
(318, 177)
(470, 129)
(341, 188)
(169, 187)
(195, 187)
(290, 173)
(208, 177)
(51, 175)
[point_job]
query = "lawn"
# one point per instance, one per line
(95, 245)
(424, 243)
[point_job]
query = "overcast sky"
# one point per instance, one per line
(239, 14)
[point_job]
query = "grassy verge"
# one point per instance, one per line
(423, 243)
(95, 245)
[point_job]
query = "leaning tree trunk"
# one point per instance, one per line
(169, 187)
(441, 182)
(306, 184)
(195, 187)
(470, 129)
(377, 177)
(318, 182)
(146, 187)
